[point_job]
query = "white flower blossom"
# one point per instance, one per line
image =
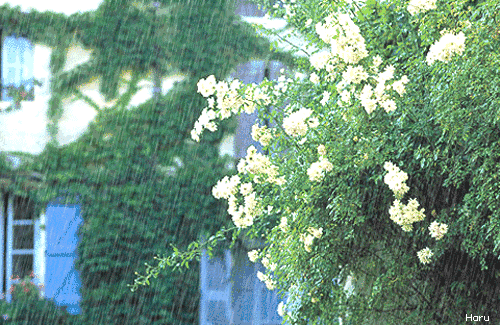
(406, 215)
(438, 230)
(395, 179)
(314, 78)
(283, 224)
(444, 49)
(425, 255)
(253, 255)
(417, 6)
(207, 86)
(281, 309)
(295, 124)
(226, 187)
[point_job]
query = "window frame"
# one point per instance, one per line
(31, 80)
(7, 251)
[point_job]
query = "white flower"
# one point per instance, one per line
(444, 49)
(345, 96)
(388, 74)
(250, 207)
(399, 86)
(307, 240)
(261, 134)
(326, 98)
(354, 74)
(226, 187)
(314, 78)
(406, 215)
(369, 105)
(195, 136)
(281, 309)
(315, 232)
(316, 171)
(425, 255)
(295, 124)
(246, 188)
(320, 60)
(417, 6)
(207, 86)
(396, 179)
(438, 230)
(388, 105)
(270, 284)
(377, 61)
(283, 224)
(253, 255)
(322, 150)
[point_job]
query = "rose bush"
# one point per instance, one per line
(382, 165)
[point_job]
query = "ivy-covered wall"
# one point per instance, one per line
(134, 202)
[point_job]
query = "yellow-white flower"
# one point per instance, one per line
(253, 255)
(425, 255)
(438, 230)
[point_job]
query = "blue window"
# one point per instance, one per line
(44, 246)
(17, 67)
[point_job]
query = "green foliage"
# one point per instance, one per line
(444, 134)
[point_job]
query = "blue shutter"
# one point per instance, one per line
(215, 287)
(17, 64)
(62, 281)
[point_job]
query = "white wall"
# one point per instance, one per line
(25, 130)
(65, 7)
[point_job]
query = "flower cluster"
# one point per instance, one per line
(354, 74)
(270, 284)
(447, 45)
(259, 165)
(253, 255)
(206, 87)
(307, 239)
(267, 264)
(261, 134)
(438, 230)
(418, 6)
(403, 215)
(395, 179)
(406, 215)
(205, 121)
(26, 289)
(369, 96)
(344, 37)
(226, 187)
(230, 99)
(297, 123)
(242, 215)
(425, 255)
(317, 170)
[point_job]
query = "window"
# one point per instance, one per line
(19, 242)
(17, 67)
